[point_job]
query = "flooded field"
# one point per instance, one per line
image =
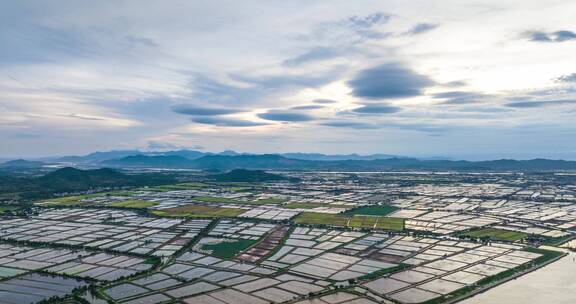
(555, 283)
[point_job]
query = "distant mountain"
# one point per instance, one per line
(144, 161)
(277, 162)
(98, 156)
(324, 157)
(242, 175)
(265, 161)
(22, 164)
(191, 154)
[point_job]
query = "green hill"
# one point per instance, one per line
(242, 175)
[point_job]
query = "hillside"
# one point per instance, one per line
(242, 175)
(22, 164)
(74, 180)
(144, 161)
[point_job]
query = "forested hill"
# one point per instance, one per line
(74, 180)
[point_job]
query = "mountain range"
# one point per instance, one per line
(277, 162)
(229, 160)
(192, 154)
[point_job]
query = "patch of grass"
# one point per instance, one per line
(216, 199)
(390, 223)
(134, 204)
(8, 208)
(67, 201)
(379, 210)
(310, 206)
(496, 234)
(559, 240)
(342, 220)
(379, 273)
(363, 221)
(199, 211)
(228, 250)
(313, 218)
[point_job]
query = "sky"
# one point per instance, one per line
(466, 79)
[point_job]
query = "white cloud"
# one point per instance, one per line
(74, 75)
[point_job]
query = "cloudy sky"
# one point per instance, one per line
(473, 79)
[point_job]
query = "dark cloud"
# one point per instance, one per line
(203, 111)
(227, 122)
(376, 109)
(558, 36)
(324, 101)
(315, 54)
(564, 36)
(309, 107)
(391, 80)
(567, 78)
(349, 124)
(421, 28)
(540, 103)
(286, 116)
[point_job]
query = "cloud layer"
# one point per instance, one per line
(466, 78)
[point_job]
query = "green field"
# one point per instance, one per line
(228, 250)
(199, 211)
(133, 204)
(67, 201)
(313, 218)
(8, 208)
(379, 210)
(342, 220)
(496, 234)
(310, 206)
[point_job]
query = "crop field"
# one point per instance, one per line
(363, 222)
(215, 199)
(133, 204)
(199, 211)
(309, 206)
(322, 219)
(7, 208)
(374, 210)
(496, 234)
(390, 223)
(228, 250)
(375, 222)
(68, 200)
